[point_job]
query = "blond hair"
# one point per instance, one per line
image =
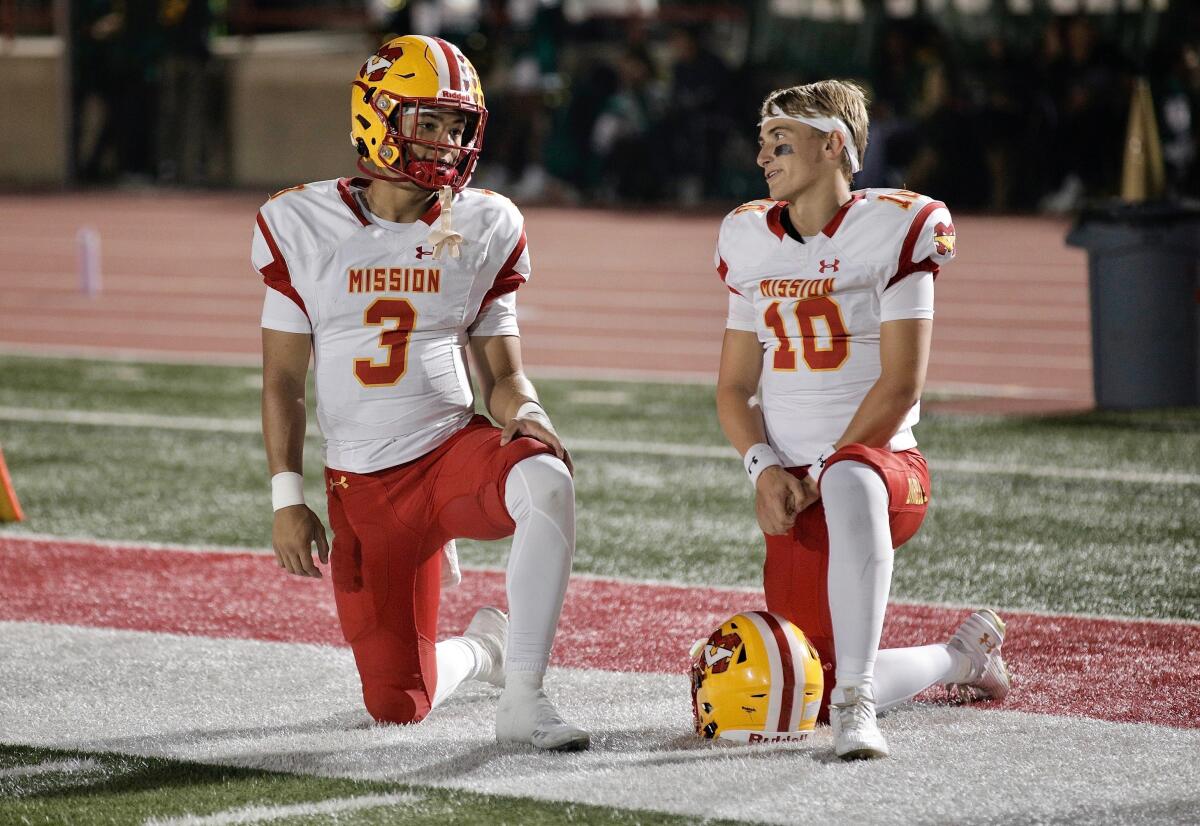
(843, 99)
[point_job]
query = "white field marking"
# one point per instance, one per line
(601, 374)
(738, 590)
(296, 708)
(264, 814)
(86, 764)
(101, 418)
(129, 354)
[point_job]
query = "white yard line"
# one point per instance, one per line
(296, 708)
(51, 767)
(265, 814)
(100, 418)
(602, 374)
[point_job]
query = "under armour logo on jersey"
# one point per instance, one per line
(338, 483)
(827, 266)
(422, 252)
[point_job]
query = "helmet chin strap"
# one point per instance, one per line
(444, 235)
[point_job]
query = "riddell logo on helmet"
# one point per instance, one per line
(789, 737)
(454, 96)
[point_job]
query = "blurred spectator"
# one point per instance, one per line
(1178, 92)
(697, 116)
(184, 125)
(625, 138)
(1092, 107)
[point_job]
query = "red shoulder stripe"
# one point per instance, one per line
(723, 271)
(906, 266)
(840, 215)
(276, 274)
(775, 219)
(350, 201)
(508, 279)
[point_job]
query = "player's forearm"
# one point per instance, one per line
(508, 394)
(284, 419)
(881, 413)
(741, 422)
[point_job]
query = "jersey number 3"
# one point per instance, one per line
(816, 356)
(394, 340)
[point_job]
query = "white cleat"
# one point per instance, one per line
(856, 735)
(532, 718)
(489, 629)
(980, 637)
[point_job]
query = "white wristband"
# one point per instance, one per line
(818, 466)
(287, 489)
(757, 459)
(528, 408)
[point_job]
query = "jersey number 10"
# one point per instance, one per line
(817, 357)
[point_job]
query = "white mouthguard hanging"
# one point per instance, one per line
(444, 235)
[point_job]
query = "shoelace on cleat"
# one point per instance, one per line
(859, 715)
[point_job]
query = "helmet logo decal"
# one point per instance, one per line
(943, 238)
(378, 64)
(718, 654)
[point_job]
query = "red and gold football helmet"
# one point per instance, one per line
(757, 679)
(407, 78)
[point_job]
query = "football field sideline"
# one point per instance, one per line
(206, 424)
(222, 659)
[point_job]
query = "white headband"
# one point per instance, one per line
(821, 125)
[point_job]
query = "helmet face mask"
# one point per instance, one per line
(434, 145)
(757, 679)
(417, 114)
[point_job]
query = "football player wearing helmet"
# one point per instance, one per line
(822, 366)
(371, 276)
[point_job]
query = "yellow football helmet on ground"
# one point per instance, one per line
(409, 77)
(757, 679)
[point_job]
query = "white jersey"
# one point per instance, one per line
(817, 306)
(389, 322)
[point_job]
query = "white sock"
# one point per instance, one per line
(540, 497)
(458, 660)
(902, 673)
(860, 566)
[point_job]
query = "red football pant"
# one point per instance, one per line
(795, 576)
(389, 527)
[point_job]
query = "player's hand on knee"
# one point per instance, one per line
(295, 530)
(778, 498)
(537, 426)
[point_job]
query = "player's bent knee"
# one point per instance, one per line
(550, 487)
(847, 482)
(394, 704)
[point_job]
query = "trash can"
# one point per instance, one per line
(1144, 292)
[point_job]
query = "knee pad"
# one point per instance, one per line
(850, 484)
(540, 482)
(388, 702)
